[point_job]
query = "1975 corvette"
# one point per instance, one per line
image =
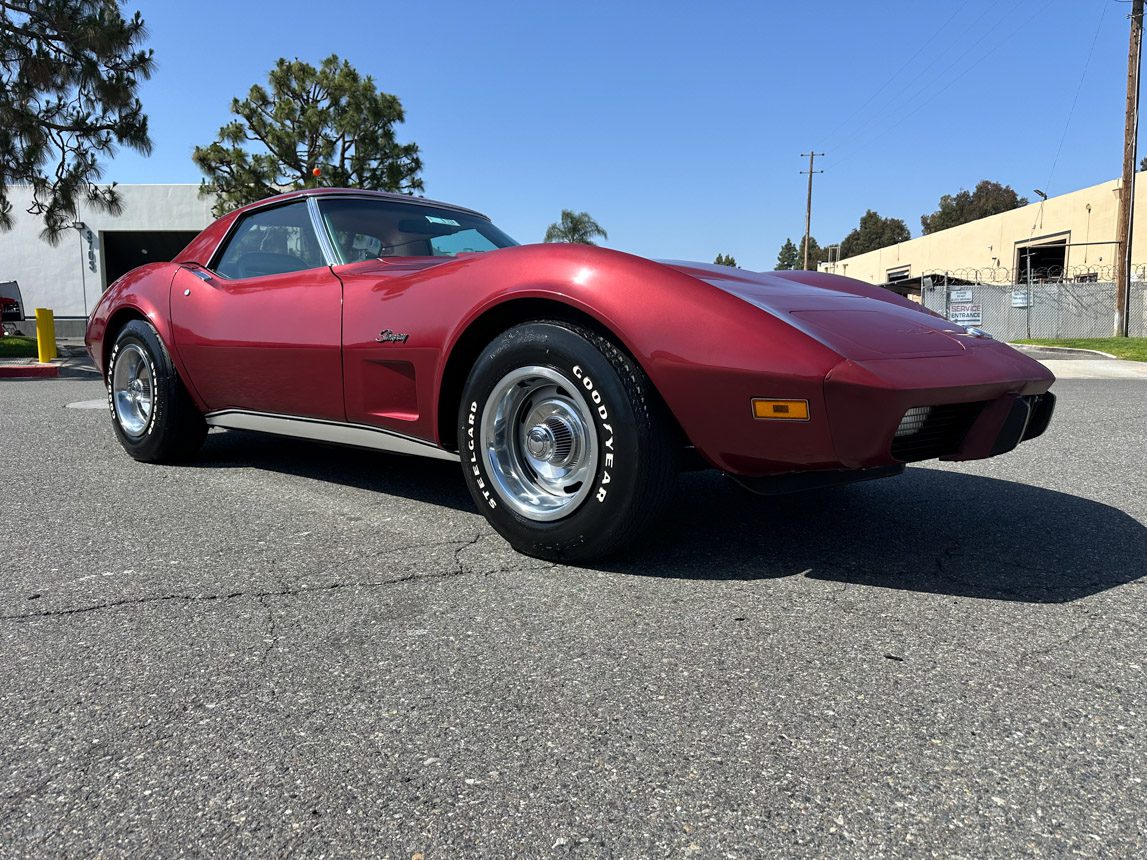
(572, 382)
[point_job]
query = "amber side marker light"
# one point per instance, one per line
(780, 410)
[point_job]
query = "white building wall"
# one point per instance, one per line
(58, 276)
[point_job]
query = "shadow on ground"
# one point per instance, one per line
(928, 530)
(75, 363)
(435, 482)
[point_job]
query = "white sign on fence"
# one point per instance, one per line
(1021, 298)
(965, 314)
(959, 297)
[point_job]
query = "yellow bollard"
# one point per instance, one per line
(45, 334)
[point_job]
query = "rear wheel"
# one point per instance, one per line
(565, 447)
(154, 417)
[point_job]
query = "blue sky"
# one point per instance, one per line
(678, 125)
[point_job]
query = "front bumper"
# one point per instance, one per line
(855, 409)
(980, 405)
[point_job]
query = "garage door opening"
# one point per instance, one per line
(1047, 261)
(124, 250)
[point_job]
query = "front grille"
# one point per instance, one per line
(941, 433)
(913, 420)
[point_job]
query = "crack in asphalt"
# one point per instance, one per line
(17, 799)
(261, 596)
(1088, 627)
(272, 637)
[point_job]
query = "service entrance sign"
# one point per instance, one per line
(966, 314)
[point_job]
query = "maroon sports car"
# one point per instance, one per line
(572, 382)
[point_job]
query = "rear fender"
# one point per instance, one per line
(141, 293)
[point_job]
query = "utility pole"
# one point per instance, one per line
(808, 206)
(1127, 191)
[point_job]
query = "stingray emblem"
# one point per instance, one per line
(388, 336)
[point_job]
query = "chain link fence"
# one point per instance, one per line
(1049, 310)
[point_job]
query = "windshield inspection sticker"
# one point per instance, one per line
(449, 222)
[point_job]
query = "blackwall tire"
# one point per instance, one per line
(153, 416)
(565, 446)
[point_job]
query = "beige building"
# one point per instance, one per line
(1061, 239)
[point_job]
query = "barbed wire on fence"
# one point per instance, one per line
(1046, 275)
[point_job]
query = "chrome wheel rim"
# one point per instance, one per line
(538, 443)
(133, 392)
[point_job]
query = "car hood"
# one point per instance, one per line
(857, 320)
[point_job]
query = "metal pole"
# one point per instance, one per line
(83, 272)
(1127, 191)
(1059, 309)
(1030, 297)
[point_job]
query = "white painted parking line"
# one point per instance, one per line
(1100, 368)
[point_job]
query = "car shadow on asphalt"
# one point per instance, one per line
(928, 530)
(436, 482)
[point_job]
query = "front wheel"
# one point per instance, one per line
(565, 446)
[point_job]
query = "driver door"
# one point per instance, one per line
(259, 329)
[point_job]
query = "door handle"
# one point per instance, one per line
(194, 269)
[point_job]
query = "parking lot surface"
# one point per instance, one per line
(286, 649)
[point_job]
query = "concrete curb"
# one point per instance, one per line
(34, 370)
(1069, 350)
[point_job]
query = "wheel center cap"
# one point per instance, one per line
(540, 442)
(552, 441)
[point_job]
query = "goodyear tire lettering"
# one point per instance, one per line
(603, 414)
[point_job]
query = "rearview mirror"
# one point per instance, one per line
(422, 227)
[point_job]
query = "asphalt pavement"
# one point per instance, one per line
(286, 649)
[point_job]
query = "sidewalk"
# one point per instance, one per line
(1071, 363)
(1096, 368)
(73, 363)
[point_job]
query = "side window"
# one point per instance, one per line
(362, 229)
(271, 242)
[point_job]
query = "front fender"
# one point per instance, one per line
(706, 352)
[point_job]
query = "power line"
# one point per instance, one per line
(845, 123)
(932, 94)
(1078, 90)
(1070, 114)
(922, 83)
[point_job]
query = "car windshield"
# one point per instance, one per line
(363, 229)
